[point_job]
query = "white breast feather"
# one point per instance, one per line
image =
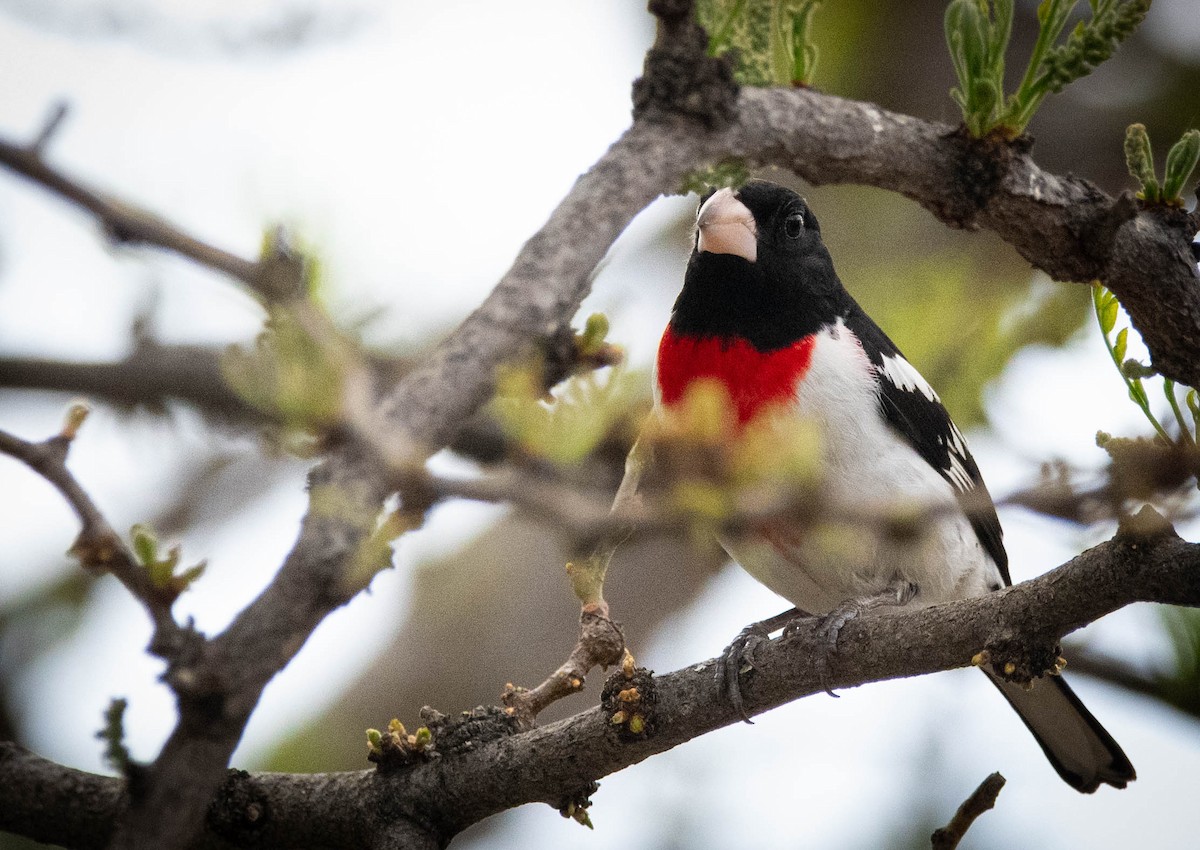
(869, 467)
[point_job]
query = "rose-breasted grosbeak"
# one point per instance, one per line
(763, 311)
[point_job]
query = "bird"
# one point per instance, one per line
(763, 312)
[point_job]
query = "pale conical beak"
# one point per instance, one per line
(726, 226)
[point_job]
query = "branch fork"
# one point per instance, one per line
(601, 644)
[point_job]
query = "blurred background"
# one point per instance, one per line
(415, 147)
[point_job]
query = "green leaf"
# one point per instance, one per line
(1120, 345)
(731, 172)
(962, 28)
(1001, 29)
(984, 98)
(973, 33)
(145, 544)
(1185, 433)
(1108, 314)
(585, 410)
(594, 332)
(1138, 157)
(1052, 67)
(769, 38)
(1137, 393)
(162, 570)
(804, 52)
(185, 578)
(1181, 161)
(953, 24)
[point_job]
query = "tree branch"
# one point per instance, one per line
(1156, 685)
(98, 547)
(121, 221)
(151, 375)
(154, 375)
(1063, 225)
(981, 799)
(497, 771)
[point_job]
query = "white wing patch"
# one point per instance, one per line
(905, 376)
(957, 448)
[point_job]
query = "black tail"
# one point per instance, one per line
(1081, 750)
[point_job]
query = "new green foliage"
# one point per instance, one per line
(1181, 685)
(978, 39)
(977, 33)
(1134, 373)
(161, 566)
(565, 428)
(772, 38)
(297, 370)
(731, 172)
(1181, 162)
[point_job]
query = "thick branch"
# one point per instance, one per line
(689, 701)
(1065, 226)
(549, 279)
(154, 375)
(151, 375)
(443, 796)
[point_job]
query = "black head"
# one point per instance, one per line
(759, 269)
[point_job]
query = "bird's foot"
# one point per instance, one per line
(738, 657)
(896, 595)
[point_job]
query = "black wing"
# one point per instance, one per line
(912, 407)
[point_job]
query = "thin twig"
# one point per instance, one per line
(587, 519)
(1157, 685)
(124, 222)
(982, 799)
(98, 547)
(601, 644)
(54, 121)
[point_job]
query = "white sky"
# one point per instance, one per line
(419, 151)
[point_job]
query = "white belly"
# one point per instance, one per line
(820, 566)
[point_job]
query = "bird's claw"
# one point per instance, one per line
(738, 657)
(897, 594)
(828, 631)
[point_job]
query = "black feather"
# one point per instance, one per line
(926, 425)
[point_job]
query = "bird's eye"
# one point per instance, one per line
(793, 225)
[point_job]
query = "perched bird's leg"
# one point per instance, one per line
(897, 594)
(738, 657)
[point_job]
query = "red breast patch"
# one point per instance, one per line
(753, 378)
